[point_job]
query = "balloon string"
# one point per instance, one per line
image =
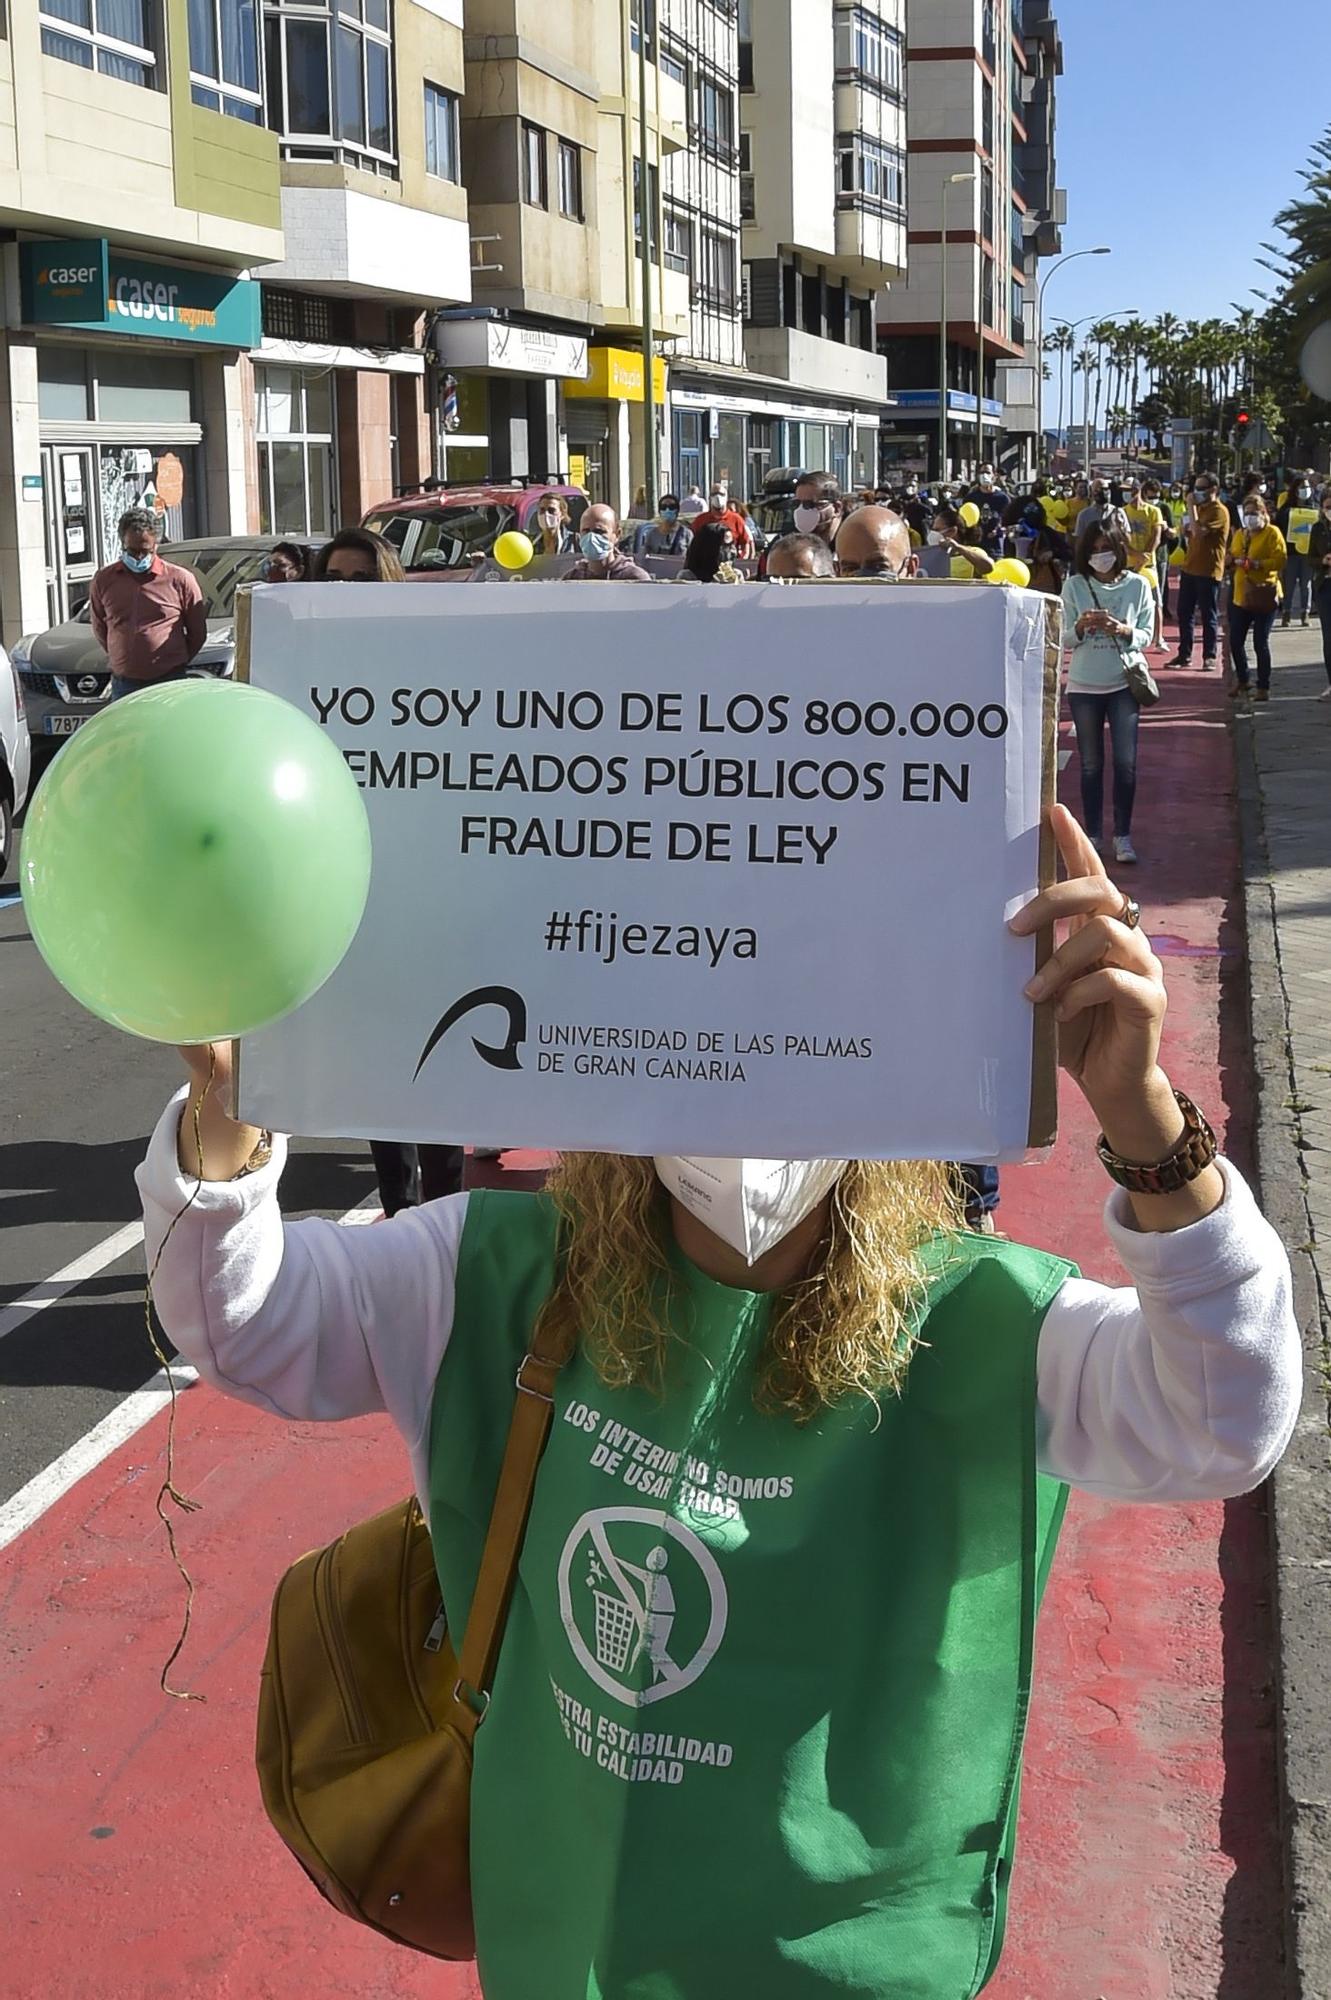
(168, 1491)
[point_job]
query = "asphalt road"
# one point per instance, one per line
(77, 1102)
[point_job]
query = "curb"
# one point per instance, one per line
(1300, 1487)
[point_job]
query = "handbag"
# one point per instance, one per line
(367, 1715)
(1142, 684)
(1259, 597)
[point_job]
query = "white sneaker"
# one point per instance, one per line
(1325, 695)
(1124, 851)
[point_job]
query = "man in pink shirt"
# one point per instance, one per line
(147, 615)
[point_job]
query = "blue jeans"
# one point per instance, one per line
(1298, 587)
(121, 684)
(1198, 594)
(1090, 712)
(1259, 623)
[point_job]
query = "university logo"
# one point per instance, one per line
(643, 1603)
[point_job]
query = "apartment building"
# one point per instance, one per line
(133, 212)
(983, 209)
(230, 220)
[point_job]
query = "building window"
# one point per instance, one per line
(113, 36)
(746, 44)
(330, 65)
(871, 173)
(637, 8)
(868, 48)
(535, 183)
(718, 270)
(678, 242)
(653, 203)
(224, 57)
(989, 35)
(987, 116)
(1017, 324)
(673, 65)
(570, 180)
(294, 427)
(716, 116)
(748, 200)
(441, 134)
(306, 316)
(987, 204)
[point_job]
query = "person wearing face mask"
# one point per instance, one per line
(1319, 572)
(1257, 563)
(1096, 506)
(989, 494)
(1146, 527)
(1206, 540)
(601, 560)
(148, 616)
(1109, 611)
(711, 556)
(554, 536)
(720, 514)
(817, 506)
(951, 549)
(667, 535)
(836, 1426)
(1040, 547)
(1295, 518)
(874, 542)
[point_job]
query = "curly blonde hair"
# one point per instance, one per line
(848, 1327)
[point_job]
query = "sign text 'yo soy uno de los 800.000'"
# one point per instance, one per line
(711, 872)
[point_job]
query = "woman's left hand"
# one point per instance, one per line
(1109, 996)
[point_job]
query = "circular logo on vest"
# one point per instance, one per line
(642, 1601)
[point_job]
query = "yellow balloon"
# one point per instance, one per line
(513, 551)
(1010, 570)
(970, 514)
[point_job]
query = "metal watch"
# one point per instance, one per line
(260, 1157)
(1193, 1154)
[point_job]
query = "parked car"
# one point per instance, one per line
(445, 531)
(15, 757)
(64, 674)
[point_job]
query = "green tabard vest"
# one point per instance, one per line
(756, 1730)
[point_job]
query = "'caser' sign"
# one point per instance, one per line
(90, 286)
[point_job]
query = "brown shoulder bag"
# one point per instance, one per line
(367, 1716)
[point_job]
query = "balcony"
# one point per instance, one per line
(870, 242)
(821, 367)
(342, 240)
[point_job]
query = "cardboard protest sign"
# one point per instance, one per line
(677, 871)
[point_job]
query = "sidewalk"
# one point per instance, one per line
(135, 1860)
(1284, 771)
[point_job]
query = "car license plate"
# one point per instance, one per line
(62, 725)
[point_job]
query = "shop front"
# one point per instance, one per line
(724, 436)
(498, 395)
(135, 368)
(606, 449)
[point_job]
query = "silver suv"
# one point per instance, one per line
(65, 675)
(15, 758)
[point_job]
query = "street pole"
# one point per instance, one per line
(1100, 250)
(979, 377)
(646, 233)
(949, 181)
(942, 344)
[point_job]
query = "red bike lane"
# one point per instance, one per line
(133, 1851)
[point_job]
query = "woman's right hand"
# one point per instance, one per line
(225, 1144)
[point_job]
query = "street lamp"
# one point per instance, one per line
(949, 181)
(1100, 250)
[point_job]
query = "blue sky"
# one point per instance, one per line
(1141, 78)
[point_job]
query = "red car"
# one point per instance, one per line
(446, 530)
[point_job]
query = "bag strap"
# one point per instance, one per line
(528, 1430)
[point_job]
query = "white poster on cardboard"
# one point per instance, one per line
(710, 871)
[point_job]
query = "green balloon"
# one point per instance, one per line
(196, 861)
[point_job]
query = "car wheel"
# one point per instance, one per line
(6, 827)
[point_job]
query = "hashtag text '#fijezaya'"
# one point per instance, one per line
(600, 936)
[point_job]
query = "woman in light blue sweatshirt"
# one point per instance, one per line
(1109, 616)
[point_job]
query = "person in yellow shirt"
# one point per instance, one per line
(1257, 557)
(1296, 516)
(1146, 526)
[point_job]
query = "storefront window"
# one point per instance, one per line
(62, 385)
(688, 450)
(838, 438)
(295, 437)
(144, 388)
(728, 467)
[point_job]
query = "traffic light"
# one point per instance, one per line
(1242, 422)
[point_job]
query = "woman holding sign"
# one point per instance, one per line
(757, 1718)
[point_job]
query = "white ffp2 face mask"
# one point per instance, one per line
(749, 1204)
(807, 518)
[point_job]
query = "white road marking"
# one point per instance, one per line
(55, 1480)
(1064, 759)
(87, 1266)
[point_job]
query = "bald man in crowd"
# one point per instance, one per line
(874, 541)
(796, 556)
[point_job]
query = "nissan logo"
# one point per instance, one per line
(86, 684)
